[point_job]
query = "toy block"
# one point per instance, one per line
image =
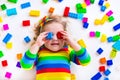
(59, 35)
(1, 20)
(100, 50)
(116, 45)
(109, 13)
(92, 34)
(84, 5)
(49, 36)
(18, 65)
(106, 78)
(25, 5)
(97, 22)
(102, 60)
(4, 63)
(80, 16)
(104, 19)
(116, 38)
(113, 53)
(66, 11)
(82, 10)
(102, 68)
(103, 8)
(109, 62)
(92, 1)
(97, 34)
(26, 23)
(81, 43)
(19, 56)
(45, 1)
(87, 2)
(11, 12)
(110, 39)
(103, 38)
(8, 75)
(97, 76)
(34, 13)
(27, 39)
(7, 38)
(5, 27)
(107, 72)
(3, 7)
(9, 45)
(78, 6)
(116, 27)
(101, 2)
(73, 15)
(51, 10)
(111, 18)
(13, 1)
(85, 25)
(107, 5)
(60, 0)
(1, 54)
(85, 19)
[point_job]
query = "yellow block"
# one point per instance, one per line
(103, 38)
(34, 13)
(9, 45)
(104, 19)
(107, 5)
(84, 5)
(1, 20)
(82, 43)
(97, 22)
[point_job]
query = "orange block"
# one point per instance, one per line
(103, 60)
(51, 10)
(19, 56)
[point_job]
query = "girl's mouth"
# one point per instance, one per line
(55, 44)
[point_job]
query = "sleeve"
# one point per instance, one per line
(80, 57)
(28, 60)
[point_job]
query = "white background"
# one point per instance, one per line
(75, 26)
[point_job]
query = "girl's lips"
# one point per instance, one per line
(55, 44)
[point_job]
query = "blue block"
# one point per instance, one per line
(60, 0)
(116, 45)
(11, 12)
(27, 39)
(25, 5)
(85, 25)
(101, 2)
(103, 8)
(97, 76)
(73, 15)
(109, 62)
(116, 27)
(107, 72)
(7, 38)
(106, 78)
(110, 39)
(49, 36)
(100, 50)
(80, 16)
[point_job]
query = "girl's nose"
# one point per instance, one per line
(55, 37)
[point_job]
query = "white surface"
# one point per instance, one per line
(19, 32)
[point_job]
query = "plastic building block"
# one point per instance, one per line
(104, 19)
(18, 65)
(116, 45)
(11, 12)
(1, 54)
(5, 27)
(102, 60)
(35, 13)
(107, 72)
(8, 75)
(109, 62)
(7, 38)
(92, 34)
(103, 38)
(3, 7)
(106, 78)
(80, 16)
(116, 27)
(4, 63)
(107, 5)
(78, 6)
(92, 1)
(49, 36)
(109, 13)
(101, 2)
(25, 5)
(102, 68)
(1, 20)
(85, 19)
(84, 5)
(103, 8)
(116, 38)
(13, 1)
(73, 15)
(97, 22)
(97, 34)
(100, 50)
(60, 0)
(45, 1)
(87, 2)
(110, 39)
(85, 24)
(26, 23)
(82, 43)
(9, 45)
(27, 39)
(19, 56)
(113, 53)
(51, 10)
(111, 18)
(97, 76)
(66, 11)
(59, 35)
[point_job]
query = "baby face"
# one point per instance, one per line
(54, 44)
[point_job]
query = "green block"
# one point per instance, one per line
(111, 18)
(13, 1)
(92, 1)
(78, 5)
(3, 7)
(97, 34)
(1, 54)
(81, 10)
(45, 1)
(116, 38)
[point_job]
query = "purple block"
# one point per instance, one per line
(8, 75)
(5, 27)
(18, 65)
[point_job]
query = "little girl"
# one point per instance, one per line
(53, 50)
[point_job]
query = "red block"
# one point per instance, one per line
(66, 11)
(59, 35)
(4, 63)
(26, 23)
(102, 68)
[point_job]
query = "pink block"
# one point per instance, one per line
(85, 19)
(87, 2)
(5, 27)
(92, 34)
(109, 13)
(8, 75)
